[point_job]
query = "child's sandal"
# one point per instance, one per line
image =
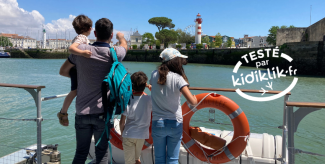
(63, 121)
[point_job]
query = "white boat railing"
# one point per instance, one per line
(35, 91)
(291, 119)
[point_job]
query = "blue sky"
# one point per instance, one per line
(233, 18)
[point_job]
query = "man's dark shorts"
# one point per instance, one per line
(73, 77)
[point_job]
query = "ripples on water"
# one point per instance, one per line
(17, 103)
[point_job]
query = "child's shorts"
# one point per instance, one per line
(73, 77)
(132, 149)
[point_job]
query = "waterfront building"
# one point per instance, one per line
(211, 38)
(136, 39)
(238, 42)
(20, 41)
(255, 41)
(57, 44)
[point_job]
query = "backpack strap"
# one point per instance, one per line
(113, 54)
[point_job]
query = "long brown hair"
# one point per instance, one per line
(175, 65)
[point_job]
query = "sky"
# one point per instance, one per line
(233, 18)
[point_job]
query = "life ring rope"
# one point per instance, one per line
(217, 152)
(193, 108)
(227, 152)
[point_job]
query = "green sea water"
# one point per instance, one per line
(263, 117)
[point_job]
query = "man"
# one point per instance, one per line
(91, 72)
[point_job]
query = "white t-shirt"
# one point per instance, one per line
(166, 99)
(138, 116)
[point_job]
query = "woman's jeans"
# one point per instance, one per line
(166, 133)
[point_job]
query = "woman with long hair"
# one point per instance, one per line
(167, 85)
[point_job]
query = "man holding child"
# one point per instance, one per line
(89, 118)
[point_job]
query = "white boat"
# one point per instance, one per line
(261, 149)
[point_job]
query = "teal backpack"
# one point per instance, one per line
(118, 81)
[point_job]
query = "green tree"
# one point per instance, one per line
(283, 27)
(229, 42)
(161, 22)
(199, 46)
(218, 40)
(166, 36)
(212, 45)
(158, 42)
(206, 39)
(271, 39)
(4, 42)
(134, 47)
(292, 26)
(183, 37)
(147, 38)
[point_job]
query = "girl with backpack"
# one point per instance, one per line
(167, 85)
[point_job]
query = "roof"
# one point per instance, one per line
(56, 39)
(15, 36)
(212, 36)
(136, 34)
(8, 35)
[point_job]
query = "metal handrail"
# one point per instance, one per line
(287, 127)
(35, 91)
(294, 118)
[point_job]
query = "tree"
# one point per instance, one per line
(218, 40)
(147, 38)
(229, 42)
(212, 45)
(183, 37)
(199, 46)
(161, 22)
(206, 39)
(271, 39)
(166, 36)
(158, 42)
(4, 42)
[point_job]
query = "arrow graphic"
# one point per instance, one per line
(269, 86)
(263, 90)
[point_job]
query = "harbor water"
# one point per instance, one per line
(263, 117)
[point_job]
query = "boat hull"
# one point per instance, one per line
(261, 148)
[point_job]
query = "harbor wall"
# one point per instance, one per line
(308, 57)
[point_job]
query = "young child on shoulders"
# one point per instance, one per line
(82, 25)
(138, 116)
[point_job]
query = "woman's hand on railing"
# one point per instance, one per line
(188, 95)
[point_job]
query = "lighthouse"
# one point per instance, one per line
(44, 38)
(198, 30)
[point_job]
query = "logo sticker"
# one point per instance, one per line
(263, 76)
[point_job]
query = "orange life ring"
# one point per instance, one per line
(117, 142)
(238, 119)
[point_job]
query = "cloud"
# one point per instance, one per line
(60, 25)
(14, 19)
